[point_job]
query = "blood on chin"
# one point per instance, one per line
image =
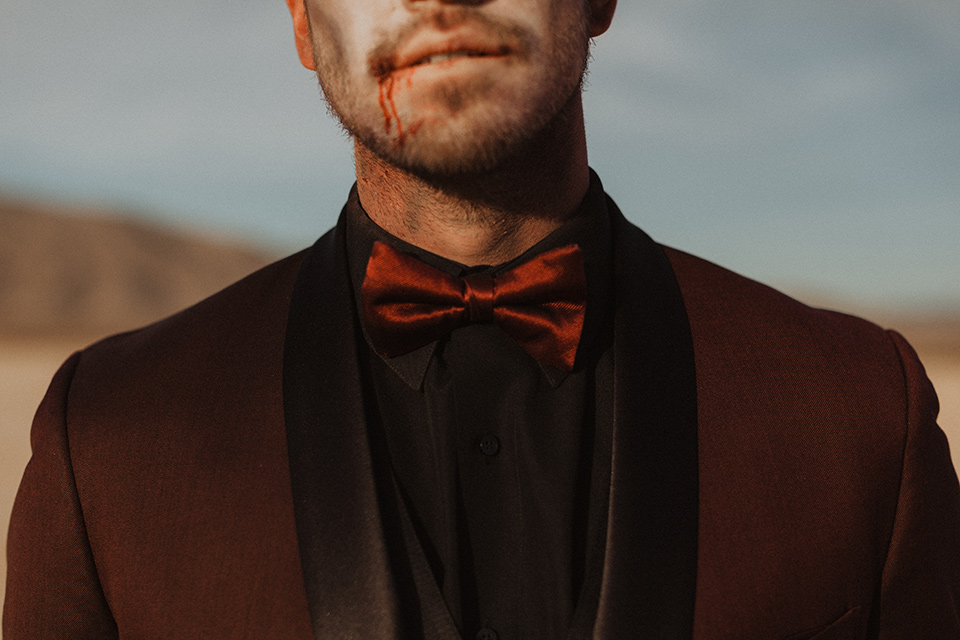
(451, 126)
(407, 101)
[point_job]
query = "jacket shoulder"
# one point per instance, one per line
(246, 314)
(721, 302)
(818, 428)
(778, 356)
(185, 372)
(153, 452)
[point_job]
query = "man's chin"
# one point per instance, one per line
(443, 142)
(434, 156)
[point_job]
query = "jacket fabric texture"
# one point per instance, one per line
(777, 472)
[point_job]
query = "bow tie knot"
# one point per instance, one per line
(478, 295)
(541, 303)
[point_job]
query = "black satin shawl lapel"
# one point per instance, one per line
(650, 566)
(343, 554)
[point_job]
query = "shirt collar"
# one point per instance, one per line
(588, 227)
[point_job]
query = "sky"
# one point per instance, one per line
(810, 144)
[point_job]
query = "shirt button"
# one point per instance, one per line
(486, 634)
(489, 446)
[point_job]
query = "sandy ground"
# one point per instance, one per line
(26, 369)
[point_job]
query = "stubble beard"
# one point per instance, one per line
(472, 141)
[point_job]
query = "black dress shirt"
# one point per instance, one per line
(501, 462)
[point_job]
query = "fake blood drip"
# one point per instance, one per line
(389, 108)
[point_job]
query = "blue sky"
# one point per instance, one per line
(811, 144)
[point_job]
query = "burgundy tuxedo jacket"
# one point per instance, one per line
(777, 472)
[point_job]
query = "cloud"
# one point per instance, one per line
(713, 69)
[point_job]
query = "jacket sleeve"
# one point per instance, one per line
(53, 590)
(920, 589)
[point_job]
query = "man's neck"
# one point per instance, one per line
(486, 218)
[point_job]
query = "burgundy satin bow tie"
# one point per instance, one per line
(541, 303)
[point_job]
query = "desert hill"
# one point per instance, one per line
(68, 271)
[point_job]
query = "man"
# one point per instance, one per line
(485, 405)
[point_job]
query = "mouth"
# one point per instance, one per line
(453, 55)
(427, 51)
